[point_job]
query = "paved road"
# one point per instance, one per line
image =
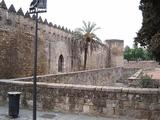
(27, 115)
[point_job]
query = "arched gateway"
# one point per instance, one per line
(61, 63)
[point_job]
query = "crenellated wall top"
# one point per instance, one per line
(11, 18)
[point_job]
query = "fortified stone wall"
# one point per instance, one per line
(17, 34)
(57, 51)
(95, 100)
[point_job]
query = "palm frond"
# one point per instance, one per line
(77, 35)
(84, 28)
(98, 39)
(92, 27)
(86, 31)
(88, 28)
(81, 30)
(95, 38)
(85, 24)
(93, 45)
(95, 29)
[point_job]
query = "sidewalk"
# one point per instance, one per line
(27, 115)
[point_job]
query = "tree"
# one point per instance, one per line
(137, 53)
(86, 36)
(148, 55)
(149, 34)
(127, 53)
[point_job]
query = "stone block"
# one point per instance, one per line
(30, 103)
(86, 108)
(154, 91)
(80, 101)
(126, 104)
(154, 107)
(1, 98)
(95, 110)
(67, 100)
(155, 115)
(78, 108)
(112, 89)
(110, 112)
(61, 107)
(141, 106)
(125, 90)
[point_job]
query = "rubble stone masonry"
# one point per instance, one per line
(94, 100)
(98, 77)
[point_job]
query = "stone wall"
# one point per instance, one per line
(100, 77)
(103, 77)
(17, 44)
(127, 72)
(141, 64)
(136, 79)
(17, 41)
(94, 100)
(97, 58)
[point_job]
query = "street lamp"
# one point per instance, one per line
(36, 6)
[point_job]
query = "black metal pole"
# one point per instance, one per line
(35, 69)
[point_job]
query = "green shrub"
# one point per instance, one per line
(146, 82)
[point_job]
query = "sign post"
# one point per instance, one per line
(36, 7)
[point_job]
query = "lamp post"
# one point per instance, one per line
(36, 6)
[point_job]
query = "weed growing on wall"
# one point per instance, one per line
(147, 82)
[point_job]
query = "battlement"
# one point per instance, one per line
(10, 18)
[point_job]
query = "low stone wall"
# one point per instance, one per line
(136, 83)
(127, 72)
(96, 100)
(141, 64)
(100, 77)
(135, 79)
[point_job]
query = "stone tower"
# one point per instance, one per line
(115, 52)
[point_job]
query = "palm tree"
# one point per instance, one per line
(86, 35)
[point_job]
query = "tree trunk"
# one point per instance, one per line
(85, 55)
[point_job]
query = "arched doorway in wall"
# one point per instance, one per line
(61, 63)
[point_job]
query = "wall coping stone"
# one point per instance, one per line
(87, 87)
(69, 73)
(136, 75)
(112, 89)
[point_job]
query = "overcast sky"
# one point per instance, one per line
(118, 19)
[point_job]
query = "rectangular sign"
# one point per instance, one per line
(42, 4)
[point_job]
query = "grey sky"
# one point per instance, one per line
(118, 19)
